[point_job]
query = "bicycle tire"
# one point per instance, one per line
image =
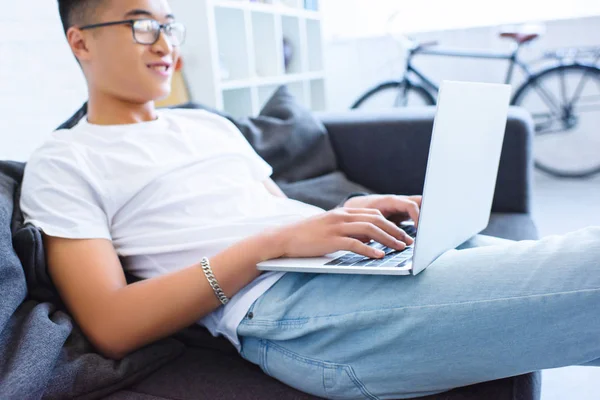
(418, 90)
(586, 70)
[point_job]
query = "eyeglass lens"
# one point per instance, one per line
(147, 31)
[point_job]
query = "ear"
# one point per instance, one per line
(179, 64)
(78, 43)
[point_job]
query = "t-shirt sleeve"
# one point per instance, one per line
(57, 197)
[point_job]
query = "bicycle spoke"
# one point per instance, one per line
(545, 127)
(563, 87)
(544, 132)
(544, 117)
(588, 108)
(579, 89)
(402, 98)
(547, 98)
(565, 106)
(587, 103)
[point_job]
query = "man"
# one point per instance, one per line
(183, 201)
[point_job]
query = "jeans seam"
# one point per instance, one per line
(352, 374)
(301, 321)
(263, 356)
(298, 357)
(321, 364)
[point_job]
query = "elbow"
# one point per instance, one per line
(113, 353)
(107, 342)
(109, 348)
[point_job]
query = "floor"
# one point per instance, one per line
(561, 206)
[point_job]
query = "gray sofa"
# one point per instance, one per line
(384, 152)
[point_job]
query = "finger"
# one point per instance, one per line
(404, 204)
(374, 232)
(363, 239)
(398, 218)
(386, 225)
(413, 210)
(416, 199)
(358, 247)
(372, 211)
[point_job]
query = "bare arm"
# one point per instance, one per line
(119, 318)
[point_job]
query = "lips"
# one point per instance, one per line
(161, 68)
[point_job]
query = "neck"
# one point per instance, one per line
(104, 109)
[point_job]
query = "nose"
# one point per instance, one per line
(163, 45)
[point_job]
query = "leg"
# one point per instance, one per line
(476, 314)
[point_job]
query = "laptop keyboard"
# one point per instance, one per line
(393, 258)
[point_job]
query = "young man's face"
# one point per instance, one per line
(117, 65)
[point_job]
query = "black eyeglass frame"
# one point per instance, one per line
(161, 28)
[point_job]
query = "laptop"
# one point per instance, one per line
(462, 167)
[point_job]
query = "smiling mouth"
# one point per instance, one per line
(160, 68)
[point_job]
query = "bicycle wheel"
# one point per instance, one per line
(394, 94)
(565, 104)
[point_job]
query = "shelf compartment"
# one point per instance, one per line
(318, 100)
(297, 89)
(290, 27)
(315, 45)
(238, 102)
(233, 52)
(266, 45)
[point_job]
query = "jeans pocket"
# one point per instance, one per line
(309, 375)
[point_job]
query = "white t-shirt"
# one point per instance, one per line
(166, 192)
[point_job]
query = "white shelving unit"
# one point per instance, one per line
(234, 52)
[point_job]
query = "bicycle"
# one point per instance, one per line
(557, 112)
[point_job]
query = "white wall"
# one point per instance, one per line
(41, 84)
(354, 65)
(363, 18)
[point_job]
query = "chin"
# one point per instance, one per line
(162, 95)
(161, 92)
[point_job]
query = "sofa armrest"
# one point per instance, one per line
(387, 152)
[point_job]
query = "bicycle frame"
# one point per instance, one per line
(430, 85)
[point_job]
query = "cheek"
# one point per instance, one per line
(127, 66)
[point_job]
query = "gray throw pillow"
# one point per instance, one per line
(289, 137)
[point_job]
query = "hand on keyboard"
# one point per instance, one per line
(339, 229)
(392, 258)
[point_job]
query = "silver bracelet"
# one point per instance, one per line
(213, 281)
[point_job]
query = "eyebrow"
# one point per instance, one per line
(137, 12)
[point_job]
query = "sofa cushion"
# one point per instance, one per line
(210, 374)
(325, 191)
(514, 226)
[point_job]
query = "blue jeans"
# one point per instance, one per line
(490, 309)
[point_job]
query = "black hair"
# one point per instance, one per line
(76, 12)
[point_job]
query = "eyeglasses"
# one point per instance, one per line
(147, 31)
